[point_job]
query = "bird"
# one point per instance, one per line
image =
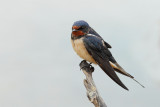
(90, 46)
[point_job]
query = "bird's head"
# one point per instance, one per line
(80, 28)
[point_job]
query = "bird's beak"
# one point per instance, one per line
(73, 30)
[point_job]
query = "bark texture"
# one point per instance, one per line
(92, 92)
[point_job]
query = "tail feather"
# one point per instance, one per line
(120, 70)
(106, 67)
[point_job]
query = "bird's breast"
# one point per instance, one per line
(81, 50)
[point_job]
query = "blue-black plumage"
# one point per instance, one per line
(90, 46)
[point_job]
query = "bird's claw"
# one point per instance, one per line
(84, 65)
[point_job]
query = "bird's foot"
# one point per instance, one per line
(85, 65)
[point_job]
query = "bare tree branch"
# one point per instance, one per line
(92, 92)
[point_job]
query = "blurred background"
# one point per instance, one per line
(38, 67)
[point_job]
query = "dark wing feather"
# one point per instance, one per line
(101, 55)
(92, 31)
(108, 45)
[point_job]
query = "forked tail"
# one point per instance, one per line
(119, 69)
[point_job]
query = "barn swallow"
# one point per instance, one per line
(90, 46)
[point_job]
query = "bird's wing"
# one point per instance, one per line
(117, 67)
(92, 31)
(120, 70)
(100, 53)
(108, 45)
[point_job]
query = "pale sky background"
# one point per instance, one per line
(38, 67)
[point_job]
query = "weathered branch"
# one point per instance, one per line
(92, 92)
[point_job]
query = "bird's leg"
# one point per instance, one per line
(85, 65)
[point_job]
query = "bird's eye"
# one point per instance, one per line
(82, 27)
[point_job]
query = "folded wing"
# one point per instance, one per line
(97, 49)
